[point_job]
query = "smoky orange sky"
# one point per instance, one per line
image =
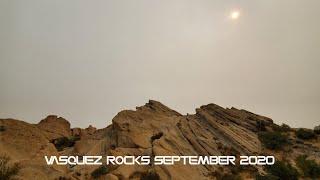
(88, 60)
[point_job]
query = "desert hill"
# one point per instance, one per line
(154, 129)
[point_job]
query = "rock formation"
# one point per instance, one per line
(152, 129)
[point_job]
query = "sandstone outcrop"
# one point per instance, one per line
(55, 127)
(152, 129)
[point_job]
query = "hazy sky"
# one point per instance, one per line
(87, 60)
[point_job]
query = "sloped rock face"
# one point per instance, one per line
(153, 130)
(231, 127)
(26, 144)
(23, 140)
(213, 130)
(134, 129)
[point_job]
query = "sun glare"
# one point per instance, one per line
(234, 15)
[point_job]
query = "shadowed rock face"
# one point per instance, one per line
(152, 129)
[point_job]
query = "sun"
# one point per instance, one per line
(234, 15)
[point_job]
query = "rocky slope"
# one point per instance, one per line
(152, 129)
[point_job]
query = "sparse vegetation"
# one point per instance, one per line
(273, 140)
(230, 177)
(316, 130)
(2, 128)
(285, 128)
(74, 138)
(8, 171)
(282, 128)
(150, 175)
(63, 142)
(100, 171)
(266, 177)
(305, 134)
(233, 175)
(63, 178)
(261, 126)
(282, 170)
(309, 167)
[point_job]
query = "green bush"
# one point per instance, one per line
(63, 142)
(102, 170)
(273, 140)
(305, 134)
(7, 171)
(283, 170)
(309, 167)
